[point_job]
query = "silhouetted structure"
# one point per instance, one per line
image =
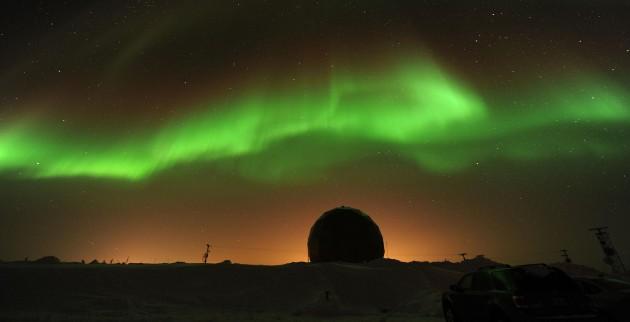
(612, 257)
(463, 255)
(565, 254)
(206, 254)
(48, 260)
(345, 234)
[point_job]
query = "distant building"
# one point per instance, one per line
(345, 234)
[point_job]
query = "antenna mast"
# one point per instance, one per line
(611, 256)
(565, 254)
(206, 254)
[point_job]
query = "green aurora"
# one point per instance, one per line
(413, 110)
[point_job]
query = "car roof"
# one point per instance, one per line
(505, 266)
(493, 267)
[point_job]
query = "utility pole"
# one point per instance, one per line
(463, 255)
(611, 256)
(565, 254)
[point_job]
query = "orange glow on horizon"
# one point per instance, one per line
(276, 241)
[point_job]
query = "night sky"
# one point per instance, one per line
(145, 129)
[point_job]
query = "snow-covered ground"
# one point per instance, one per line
(385, 290)
(206, 316)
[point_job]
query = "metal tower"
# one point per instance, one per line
(611, 256)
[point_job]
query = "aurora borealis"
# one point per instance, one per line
(120, 121)
(416, 110)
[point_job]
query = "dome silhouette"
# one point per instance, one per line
(345, 234)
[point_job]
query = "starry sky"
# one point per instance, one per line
(145, 129)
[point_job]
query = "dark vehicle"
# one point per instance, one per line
(517, 294)
(610, 296)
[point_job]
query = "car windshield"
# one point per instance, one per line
(534, 279)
